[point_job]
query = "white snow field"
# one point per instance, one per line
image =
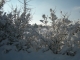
(36, 55)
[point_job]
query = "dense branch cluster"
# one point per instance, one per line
(17, 34)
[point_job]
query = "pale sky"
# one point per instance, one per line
(40, 7)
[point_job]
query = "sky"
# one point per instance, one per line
(40, 7)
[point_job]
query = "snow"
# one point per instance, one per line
(36, 55)
(19, 40)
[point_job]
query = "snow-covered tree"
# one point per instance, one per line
(65, 35)
(14, 27)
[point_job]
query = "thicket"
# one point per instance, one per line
(62, 37)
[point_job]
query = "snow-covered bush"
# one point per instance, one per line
(15, 27)
(65, 35)
(62, 37)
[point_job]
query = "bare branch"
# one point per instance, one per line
(11, 6)
(28, 1)
(68, 15)
(54, 9)
(20, 1)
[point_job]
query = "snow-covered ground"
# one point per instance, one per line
(36, 55)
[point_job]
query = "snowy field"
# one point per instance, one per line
(36, 55)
